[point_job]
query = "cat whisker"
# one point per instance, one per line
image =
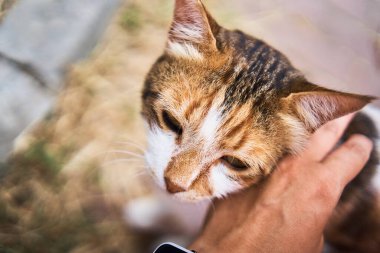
(104, 155)
(136, 145)
(140, 173)
(121, 160)
(117, 151)
(142, 168)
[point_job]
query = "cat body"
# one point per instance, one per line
(222, 108)
(355, 224)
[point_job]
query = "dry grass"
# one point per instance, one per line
(5, 5)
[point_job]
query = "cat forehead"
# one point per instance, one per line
(229, 90)
(208, 110)
(248, 70)
(213, 127)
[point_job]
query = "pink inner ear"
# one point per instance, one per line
(316, 108)
(190, 24)
(189, 12)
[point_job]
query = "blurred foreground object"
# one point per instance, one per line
(39, 39)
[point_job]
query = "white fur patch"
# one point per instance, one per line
(298, 134)
(184, 50)
(210, 126)
(159, 152)
(189, 32)
(221, 183)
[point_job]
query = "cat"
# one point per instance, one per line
(222, 108)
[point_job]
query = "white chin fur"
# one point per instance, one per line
(221, 183)
(159, 152)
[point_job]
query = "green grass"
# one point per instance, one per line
(39, 153)
(132, 19)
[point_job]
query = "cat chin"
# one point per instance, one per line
(190, 197)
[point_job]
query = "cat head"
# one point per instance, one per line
(222, 107)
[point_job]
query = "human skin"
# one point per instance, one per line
(289, 211)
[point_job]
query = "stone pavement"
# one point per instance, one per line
(39, 39)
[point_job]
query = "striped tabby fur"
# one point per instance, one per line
(223, 107)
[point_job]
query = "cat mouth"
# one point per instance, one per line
(189, 196)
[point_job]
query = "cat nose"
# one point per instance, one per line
(172, 187)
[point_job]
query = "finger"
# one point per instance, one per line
(326, 137)
(349, 159)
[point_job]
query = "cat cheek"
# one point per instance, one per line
(160, 150)
(220, 183)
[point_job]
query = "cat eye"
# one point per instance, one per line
(171, 122)
(234, 163)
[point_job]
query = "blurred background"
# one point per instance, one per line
(71, 136)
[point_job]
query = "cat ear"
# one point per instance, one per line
(192, 30)
(315, 105)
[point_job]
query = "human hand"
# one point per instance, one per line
(289, 211)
